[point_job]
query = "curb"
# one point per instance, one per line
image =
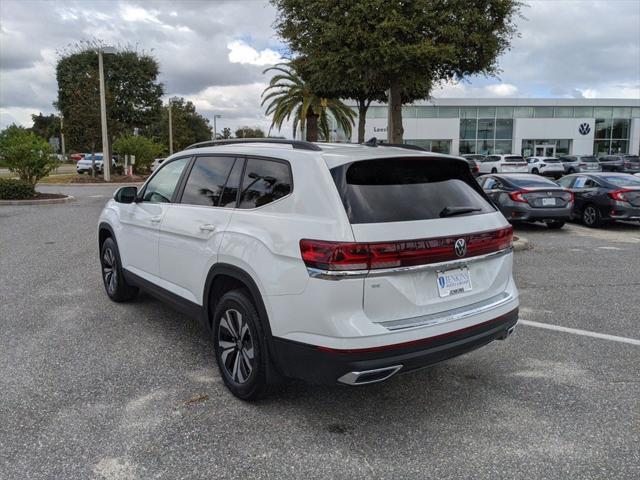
(44, 201)
(130, 184)
(520, 244)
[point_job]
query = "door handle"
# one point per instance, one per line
(207, 227)
(156, 219)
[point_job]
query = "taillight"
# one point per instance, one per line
(582, 165)
(619, 195)
(338, 256)
(518, 196)
(571, 197)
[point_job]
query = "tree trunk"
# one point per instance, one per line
(312, 128)
(363, 106)
(394, 125)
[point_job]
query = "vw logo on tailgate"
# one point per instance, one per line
(461, 247)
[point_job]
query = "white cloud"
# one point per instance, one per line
(130, 13)
(240, 52)
(503, 90)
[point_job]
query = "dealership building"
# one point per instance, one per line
(528, 127)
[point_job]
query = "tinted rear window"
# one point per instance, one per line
(632, 158)
(589, 159)
(532, 182)
(401, 190)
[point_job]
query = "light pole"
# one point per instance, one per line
(171, 100)
(215, 130)
(106, 159)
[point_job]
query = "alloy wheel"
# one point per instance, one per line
(589, 215)
(109, 270)
(236, 346)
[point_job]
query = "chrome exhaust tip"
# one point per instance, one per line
(507, 333)
(369, 376)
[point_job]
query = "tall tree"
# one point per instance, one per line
(400, 46)
(46, 126)
(248, 132)
(133, 92)
(188, 125)
(289, 95)
(226, 133)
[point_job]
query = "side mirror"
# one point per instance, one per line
(126, 194)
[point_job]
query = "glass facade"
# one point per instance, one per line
(489, 133)
(612, 135)
(430, 111)
(437, 146)
(562, 146)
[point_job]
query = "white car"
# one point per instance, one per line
(331, 263)
(503, 164)
(156, 163)
(85, 164)
(547, 166)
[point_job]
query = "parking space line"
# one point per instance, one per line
(576, 331)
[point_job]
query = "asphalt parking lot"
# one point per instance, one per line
(93, 389)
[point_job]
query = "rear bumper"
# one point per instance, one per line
(618, 212)
(328, 366)
(524, 214)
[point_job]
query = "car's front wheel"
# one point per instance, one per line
(115, 284)
(535, 171)
(240, 347)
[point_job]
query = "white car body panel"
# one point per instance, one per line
(502, 165)
(264, 242)
(544, 166)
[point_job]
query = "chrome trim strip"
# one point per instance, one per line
(450, 315)
(339, 275)
(351, 378)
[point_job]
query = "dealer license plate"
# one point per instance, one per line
(453, 282)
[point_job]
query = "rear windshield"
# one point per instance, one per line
(589, 159)
(403, 189)
(622, 180)
(632, 158)
(532, 182)
(551, 160)
(513, 158)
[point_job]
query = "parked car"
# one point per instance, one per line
(580, 163)
(503, 164)
(547, 166)
(529, 198)
(474, 163)
(156, 163)
(76, 156)
(605, 196)
(86, 163)
(620, 163)
(335, 264)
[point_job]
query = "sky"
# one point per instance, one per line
(214, 52)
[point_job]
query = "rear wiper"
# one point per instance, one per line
(451, 211)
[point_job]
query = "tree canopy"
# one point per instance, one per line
(133, 93)
(46, 126)
(248, 132)
(188, 125)
(361, 48)
(144, 149)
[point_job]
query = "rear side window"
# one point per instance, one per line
(207, 180)
(513, 158)
(264, 181)
(401, 190)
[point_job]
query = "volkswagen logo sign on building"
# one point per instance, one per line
(461, 247)
(584, 129)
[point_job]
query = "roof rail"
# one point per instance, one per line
(299, 144)
(374, 142)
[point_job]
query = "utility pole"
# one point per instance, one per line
(106, 158)
(215, 129)
(170, 131)
(64, 154)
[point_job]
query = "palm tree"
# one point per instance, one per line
(289, 95)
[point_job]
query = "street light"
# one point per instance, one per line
(171, 100)
(215, 130)
(106, 159)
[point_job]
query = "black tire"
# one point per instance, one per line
(494, 170)
(535, 171)
(555, 225)
(240, 346)
(115, 285)
(591, 216)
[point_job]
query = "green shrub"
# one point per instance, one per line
(144, 149)
(14, 189)
(26, 154)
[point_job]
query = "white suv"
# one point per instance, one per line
(503, 164)
(546, 166)
(331, 263)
